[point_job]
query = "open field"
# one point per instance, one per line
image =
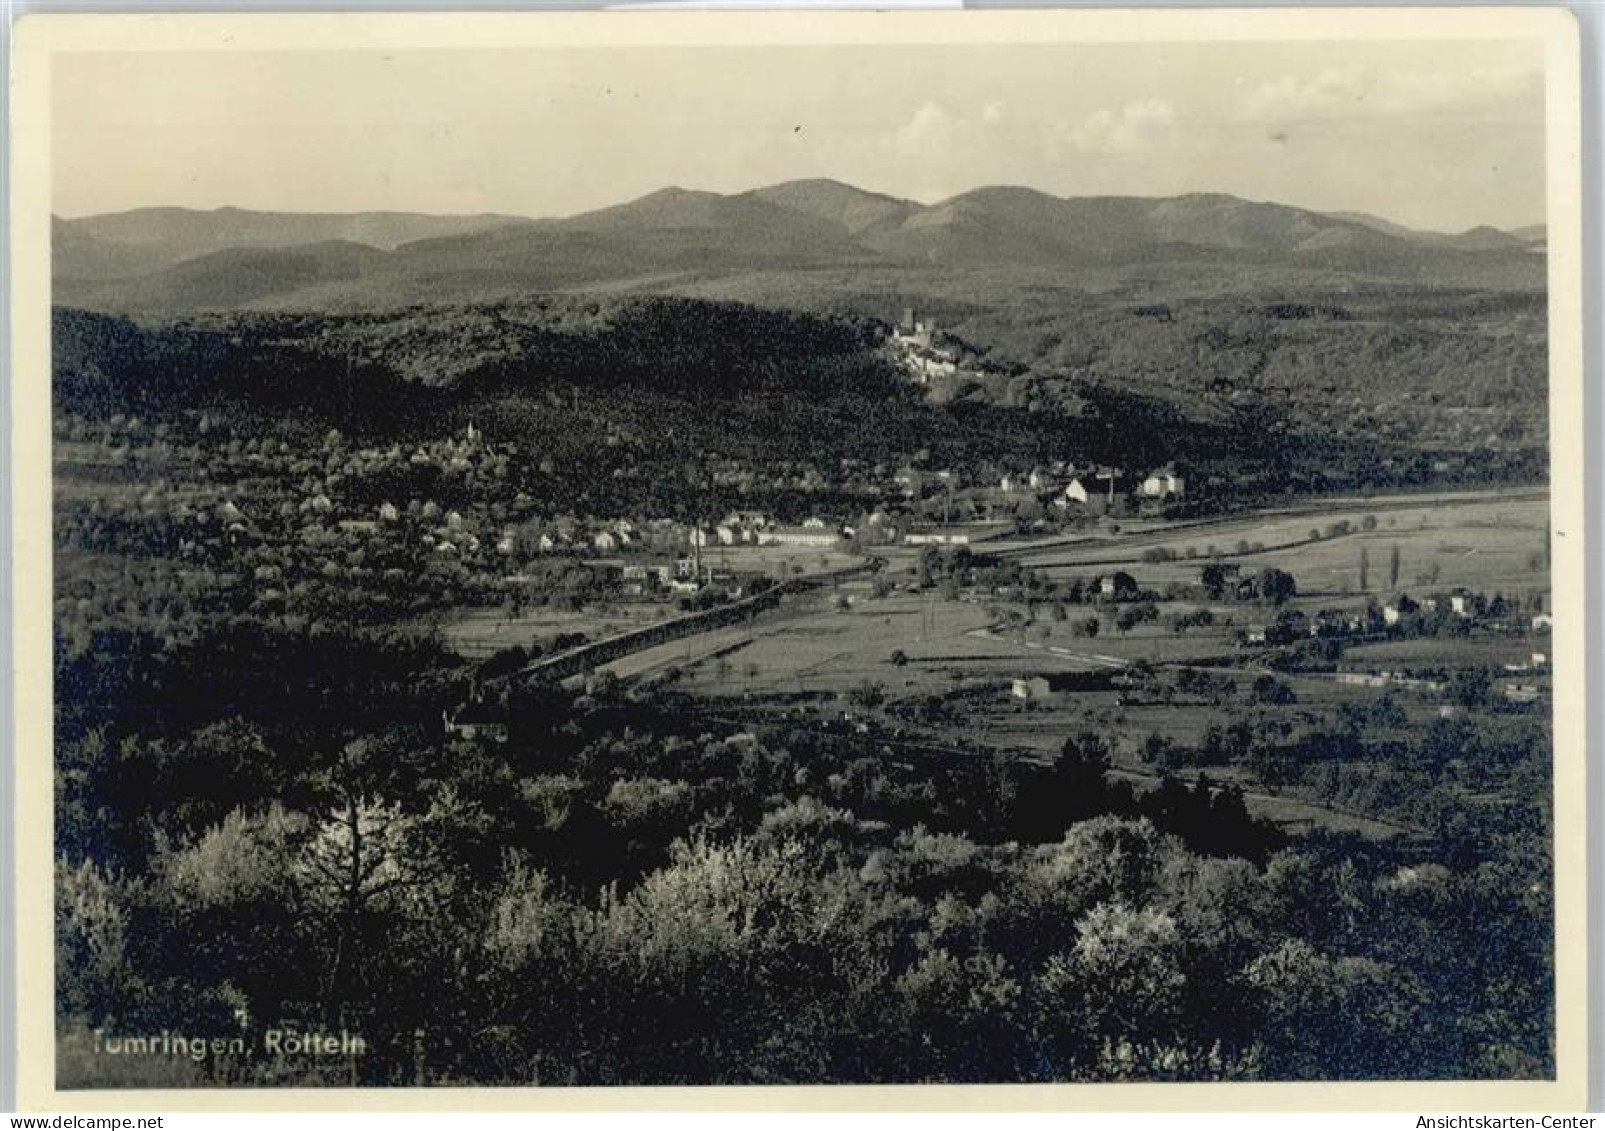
(1438, 652)
(477, 633)
(825, 649)
(1488, 545)
(777, 561)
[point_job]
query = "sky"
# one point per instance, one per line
(1436, 135)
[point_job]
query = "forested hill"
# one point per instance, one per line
(722, 379)
(649, 381)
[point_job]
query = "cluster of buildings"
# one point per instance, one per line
(920, 350)
(1062, 486)
(1464, 605)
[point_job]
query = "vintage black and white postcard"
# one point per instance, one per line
(1033, 551)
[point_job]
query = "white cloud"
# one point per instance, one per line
(1134, 128)
(1356, 92)
(931, 126)
(934, 128)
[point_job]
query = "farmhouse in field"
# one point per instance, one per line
(1038, 687)
(1118, 586)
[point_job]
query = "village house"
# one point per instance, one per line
(747, 519)
(1118, 586)
(1162, 483)
(1035, 687)
(641, 579)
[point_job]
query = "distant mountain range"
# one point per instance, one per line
(174, 259)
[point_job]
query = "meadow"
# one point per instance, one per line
(1481, 543)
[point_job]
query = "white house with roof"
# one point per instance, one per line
(1162, 483)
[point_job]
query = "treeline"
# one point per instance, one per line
(588, 380)
(1474, 362)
